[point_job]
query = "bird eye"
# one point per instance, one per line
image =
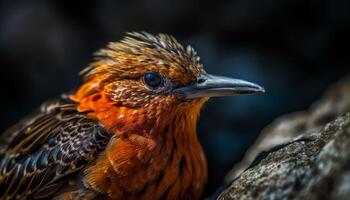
(152, 79)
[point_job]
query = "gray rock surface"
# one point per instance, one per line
(305, 155)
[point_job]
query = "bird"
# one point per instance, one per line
(127, 132)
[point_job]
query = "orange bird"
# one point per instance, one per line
(128, 132)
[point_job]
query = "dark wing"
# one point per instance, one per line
(39, 154)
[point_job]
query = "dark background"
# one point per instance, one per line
(293, 48)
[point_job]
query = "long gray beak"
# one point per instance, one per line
(208, 85)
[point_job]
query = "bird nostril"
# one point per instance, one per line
(201, 80)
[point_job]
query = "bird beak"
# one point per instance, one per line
(208, 85)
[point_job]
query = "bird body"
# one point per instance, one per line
(128, 132)
(145, 152)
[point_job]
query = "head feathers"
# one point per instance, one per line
(137, 53)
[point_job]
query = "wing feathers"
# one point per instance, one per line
(42, 152)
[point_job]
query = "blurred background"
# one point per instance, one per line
(293, 48)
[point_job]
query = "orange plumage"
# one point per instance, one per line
(140, 102)
(152, 153)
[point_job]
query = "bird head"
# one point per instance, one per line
(155, 74)
(147, 91)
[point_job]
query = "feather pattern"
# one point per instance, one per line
(65, 150)
(55, 142)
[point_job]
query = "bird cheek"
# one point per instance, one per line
(172, 101)
(192, 104)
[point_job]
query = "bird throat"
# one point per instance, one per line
(151, 156)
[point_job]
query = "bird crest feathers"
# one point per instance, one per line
(137, 50)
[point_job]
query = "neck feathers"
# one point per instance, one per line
(187, 156)
(151, 157)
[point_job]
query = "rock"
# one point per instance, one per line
(334, 102)
(304, 155)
